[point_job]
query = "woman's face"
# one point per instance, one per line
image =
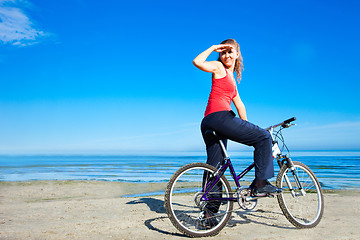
(229, 56)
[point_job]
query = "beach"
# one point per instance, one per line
(107, 210)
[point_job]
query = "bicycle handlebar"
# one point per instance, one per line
(283, 123)
(289, 120)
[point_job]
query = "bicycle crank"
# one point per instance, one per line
(242, 198)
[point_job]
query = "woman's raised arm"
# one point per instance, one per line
(213, 66)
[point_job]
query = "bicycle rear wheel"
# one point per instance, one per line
(304, 209)
(184, 206)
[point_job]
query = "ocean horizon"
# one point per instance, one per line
(334, 169)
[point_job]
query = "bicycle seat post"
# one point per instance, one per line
(223, 148)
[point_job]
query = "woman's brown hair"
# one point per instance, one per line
(239, 66)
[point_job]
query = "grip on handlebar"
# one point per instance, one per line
(290, 120)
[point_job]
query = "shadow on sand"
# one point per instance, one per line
(257, 216)
(155, 205)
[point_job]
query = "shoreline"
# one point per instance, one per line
(109, 188)
(139, 187)
(99, 210)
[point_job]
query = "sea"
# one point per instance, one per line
(334, 169)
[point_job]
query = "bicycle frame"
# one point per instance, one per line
(219, 174)
(281, 159)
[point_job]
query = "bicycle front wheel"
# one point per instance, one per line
(302, 207)
(184, 206)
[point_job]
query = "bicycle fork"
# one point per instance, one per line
(290, 165)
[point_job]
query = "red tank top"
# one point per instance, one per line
(223, 90)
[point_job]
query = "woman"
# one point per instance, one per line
(220, 118)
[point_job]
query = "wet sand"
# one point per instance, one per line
(99, 210)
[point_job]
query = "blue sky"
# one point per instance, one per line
(117, 76)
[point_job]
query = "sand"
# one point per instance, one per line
(99, 210)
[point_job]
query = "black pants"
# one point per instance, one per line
(227, 126)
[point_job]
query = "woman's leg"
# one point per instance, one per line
(215, 157)
(247, 133)
(228, 126)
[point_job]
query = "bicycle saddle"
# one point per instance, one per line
(211, 133)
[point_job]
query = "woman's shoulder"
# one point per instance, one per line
(221, 71)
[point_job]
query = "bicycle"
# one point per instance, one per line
(190, 192)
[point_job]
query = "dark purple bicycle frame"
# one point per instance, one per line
(219, 174)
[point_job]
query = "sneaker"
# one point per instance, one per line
(267, 189)
(209, 221)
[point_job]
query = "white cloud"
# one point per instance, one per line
(16, 28)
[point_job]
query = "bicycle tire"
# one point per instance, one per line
(302, 211)
(181, 195)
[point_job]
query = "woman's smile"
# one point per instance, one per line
(228, 61)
